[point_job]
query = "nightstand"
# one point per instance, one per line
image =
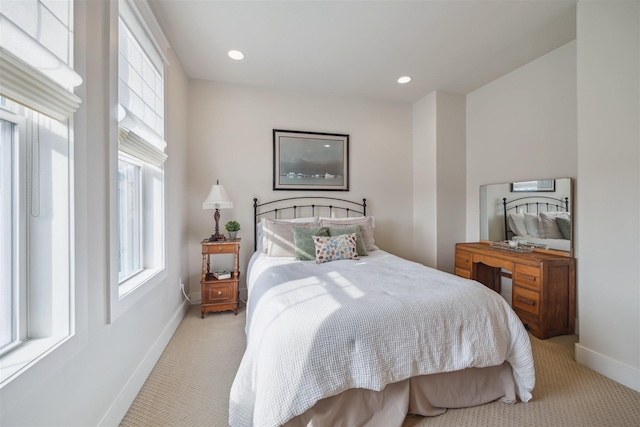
(219, 294)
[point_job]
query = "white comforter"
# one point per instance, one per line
(314, 331)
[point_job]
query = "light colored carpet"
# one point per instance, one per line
(190, 385)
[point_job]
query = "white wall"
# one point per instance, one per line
(608, 230)
(451, 177)
(230, 139)
(522, 127)
(438, 178)
(93, 378)
(425, 180)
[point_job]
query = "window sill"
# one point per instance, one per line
(127, 294)
(25, 355)
(133, 283)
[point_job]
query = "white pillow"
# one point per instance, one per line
(259, 237)
(531, 222)
(367, 225)
(277, 237)
(517, 224)
(550, 229)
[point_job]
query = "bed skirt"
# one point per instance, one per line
(426, 395)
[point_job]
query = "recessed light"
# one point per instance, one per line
(404, 79)
(236, 54)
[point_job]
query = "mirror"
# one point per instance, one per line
(538, 212)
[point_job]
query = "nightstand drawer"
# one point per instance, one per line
(218, 249)
(528, 277)
(212, 293)
(526, 300)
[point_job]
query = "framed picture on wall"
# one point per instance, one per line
(310, 161)
(548, 185)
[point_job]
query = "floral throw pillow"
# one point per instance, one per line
(335, 248)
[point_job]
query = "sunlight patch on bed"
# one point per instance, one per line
(345, 284)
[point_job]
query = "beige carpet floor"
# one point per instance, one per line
(190, 385)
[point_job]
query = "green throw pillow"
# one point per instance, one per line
(564, 224)
(349, 229)
(303, 242)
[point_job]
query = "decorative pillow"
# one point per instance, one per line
(367, 225)
(550, 228)
(531, 222)
(305, 248)
(335, 248)
(348, 229)
(564, 224)
(277, 237)
(517, 224)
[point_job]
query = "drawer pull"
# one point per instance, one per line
(219, 293)
(526, 301)
(526, 276)
(219, 248)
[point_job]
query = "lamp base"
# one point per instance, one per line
(217, 237)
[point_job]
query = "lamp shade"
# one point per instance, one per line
(217, 199)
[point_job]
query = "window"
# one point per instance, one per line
(36, 185)
(8, 290)
(129, 218)
(138, 197)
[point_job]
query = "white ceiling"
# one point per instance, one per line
(360, 48)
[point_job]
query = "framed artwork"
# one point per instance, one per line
(548, 185)
(310, 161)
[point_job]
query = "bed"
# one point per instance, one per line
(541, 220)
(365, 339)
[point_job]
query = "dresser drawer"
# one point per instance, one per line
(463, 273)
(215, 293)
(526, 276)
(218, 249)
(493, 262)
(526, 300)
(463, 261)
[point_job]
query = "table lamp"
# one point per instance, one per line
(217, 199)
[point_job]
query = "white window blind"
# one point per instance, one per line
(36, 56)
(140, 88)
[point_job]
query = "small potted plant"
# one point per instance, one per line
(232, 227)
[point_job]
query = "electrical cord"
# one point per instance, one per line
(184, 293)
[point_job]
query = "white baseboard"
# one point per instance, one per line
(127, 395)
(610, 368)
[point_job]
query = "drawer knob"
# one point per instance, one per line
(219, 293)
(219, 248)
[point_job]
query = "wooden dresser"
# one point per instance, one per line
(544, 287)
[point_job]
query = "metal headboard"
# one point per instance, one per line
(534, 205)
(309, 202)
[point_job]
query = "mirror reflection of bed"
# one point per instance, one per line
(532, 206)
